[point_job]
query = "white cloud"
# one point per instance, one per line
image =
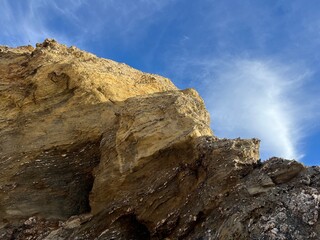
(23, 23)
(257, 98)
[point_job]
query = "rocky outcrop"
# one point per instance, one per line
(93, 149)
(52, 99)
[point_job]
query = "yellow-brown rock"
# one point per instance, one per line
(55, 104)
(53, 80)
(145, 148)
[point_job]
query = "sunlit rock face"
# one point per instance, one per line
(94, 149)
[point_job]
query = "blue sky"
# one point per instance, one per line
(255, 63)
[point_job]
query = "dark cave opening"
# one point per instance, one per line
(132, 228)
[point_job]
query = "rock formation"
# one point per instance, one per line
(94, 149)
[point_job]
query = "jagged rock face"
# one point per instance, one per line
(93, 149)
(147, 137)
(56, 102)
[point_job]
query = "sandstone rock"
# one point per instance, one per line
(94, 149)
(56, 102)
(147, 137)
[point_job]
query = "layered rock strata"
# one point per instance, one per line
(94, 149)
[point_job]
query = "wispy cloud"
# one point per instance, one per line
(257, 98)
(23, 22)
(75, 21)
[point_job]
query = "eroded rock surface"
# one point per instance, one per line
(93, 149)
(52, 99)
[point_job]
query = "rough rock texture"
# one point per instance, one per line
(93, 149)
(52, 99)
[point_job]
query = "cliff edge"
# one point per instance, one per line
(94, 149)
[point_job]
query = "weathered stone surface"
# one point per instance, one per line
(149, 136)
(93, 149)
(55, 104)
(281, 170)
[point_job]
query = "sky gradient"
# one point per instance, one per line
(255, 63)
